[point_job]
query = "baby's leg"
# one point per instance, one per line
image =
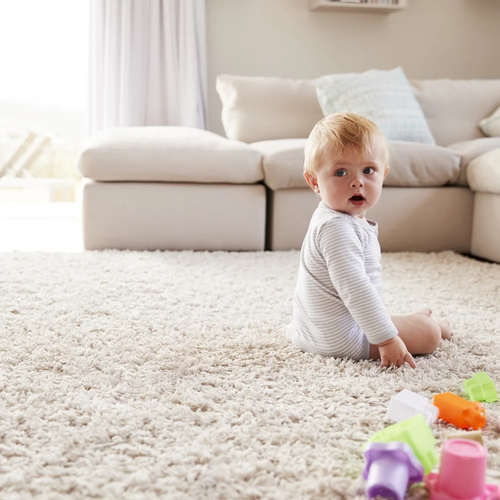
(445, 327)
(420, 333)
(445, 330)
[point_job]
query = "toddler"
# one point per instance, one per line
(338, 305)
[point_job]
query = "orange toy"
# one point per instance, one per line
(460, 412)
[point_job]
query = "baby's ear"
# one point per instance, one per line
(312, 181)
(386, 171)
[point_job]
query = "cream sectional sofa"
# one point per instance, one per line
(180, 188)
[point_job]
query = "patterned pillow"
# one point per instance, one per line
(491, 125)
(383, 96)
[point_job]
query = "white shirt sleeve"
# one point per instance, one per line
(342, 248)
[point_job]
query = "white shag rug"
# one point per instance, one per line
(129, 375)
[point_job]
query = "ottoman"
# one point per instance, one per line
(171, 188)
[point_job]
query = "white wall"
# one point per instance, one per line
(430, 39)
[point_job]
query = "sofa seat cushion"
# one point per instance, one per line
(283, 163)
(483, 174)
(421, 165)
(168, 154)
(412, 164)
(470, 150)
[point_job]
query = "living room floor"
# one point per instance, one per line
(40, 227)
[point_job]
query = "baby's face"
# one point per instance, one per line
(352, 185)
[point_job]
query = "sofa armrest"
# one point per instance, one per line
(470, 150)
(483, 173)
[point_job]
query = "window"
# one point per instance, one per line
(43, 86)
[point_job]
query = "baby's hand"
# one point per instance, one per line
(394, 352)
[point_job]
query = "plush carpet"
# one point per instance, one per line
(128, 375)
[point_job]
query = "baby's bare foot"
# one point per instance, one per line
(445, 330)
(426, 311)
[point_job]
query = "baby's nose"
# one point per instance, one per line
(357, 181)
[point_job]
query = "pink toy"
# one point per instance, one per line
(462, 474)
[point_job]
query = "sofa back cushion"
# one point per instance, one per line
(263, 108)
(454, 108)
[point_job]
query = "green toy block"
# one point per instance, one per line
(481, 388)
(415, 432)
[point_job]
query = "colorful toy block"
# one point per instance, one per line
(390, 469)
(460, 412)
(406, 404)
(462, 473)
(480, 388)
(415, 432)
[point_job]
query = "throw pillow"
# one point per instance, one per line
(491, 125)
(383, 96)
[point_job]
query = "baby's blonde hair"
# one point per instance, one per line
(339, 133)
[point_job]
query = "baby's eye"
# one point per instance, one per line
(340, 173)
(368, 170)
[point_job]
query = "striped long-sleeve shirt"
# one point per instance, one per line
(338, 305)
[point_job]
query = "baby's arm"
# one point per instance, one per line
(342, 249)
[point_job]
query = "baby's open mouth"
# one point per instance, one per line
(357, 198)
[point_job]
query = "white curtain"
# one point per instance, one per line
(147, 63)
